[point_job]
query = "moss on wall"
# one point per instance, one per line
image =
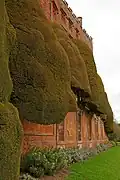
(39, 67)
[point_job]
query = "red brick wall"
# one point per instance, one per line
(45, 4)
(54, 11)
(48, 135)
(69, 131)
(38, 135)
(42, 136)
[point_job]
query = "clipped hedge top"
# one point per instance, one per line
(105, 106)
(109, 120)
(87, 56)
(98, 97)
(39, 67)
(79, 77)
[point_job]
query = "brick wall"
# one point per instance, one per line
(38, 135)
(58, 11)
(66, 133)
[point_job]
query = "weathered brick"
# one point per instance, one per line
(59, 12)
(48, 135)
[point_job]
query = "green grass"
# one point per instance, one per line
(105, 166)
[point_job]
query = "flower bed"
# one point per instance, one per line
(48, 161)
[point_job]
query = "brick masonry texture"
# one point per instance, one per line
(58, 11)
(67, 134)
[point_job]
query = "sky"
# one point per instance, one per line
(101, 21)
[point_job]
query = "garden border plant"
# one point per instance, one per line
(48, 161)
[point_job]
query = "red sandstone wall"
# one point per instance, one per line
(70, 131)
(66, 134)
(45, 4)
(38, 135)
(58, 11)
(48, 135)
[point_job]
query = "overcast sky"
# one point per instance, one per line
(101, 20)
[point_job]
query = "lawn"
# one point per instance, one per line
(105, 166)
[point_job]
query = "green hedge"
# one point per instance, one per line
(79, 77)
(39, 67)
(7, 35)
(10, 127)
(105, 106)
(10, 142)
(88, 58)
(44, 64)
(99, 96)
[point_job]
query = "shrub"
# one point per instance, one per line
(48, 161)
(39, 162)
(74, 155)
(10, 142)
(113, 143)
(102, 147)
(26, 177)
(112, 137)
(118, 143)
(38, 61)
(79, 77)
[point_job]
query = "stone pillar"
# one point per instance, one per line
(99, 130)
(94, 131)
(84, 129)
(104, 134)
(51, 11)
(102, 131)
(67, 24)
(73, 31)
